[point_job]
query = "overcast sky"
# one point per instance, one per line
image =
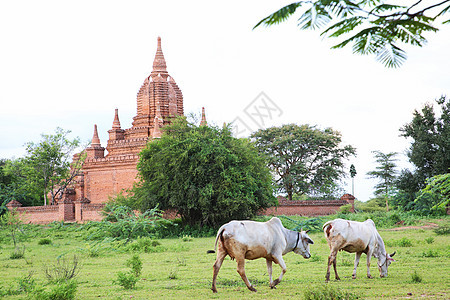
(71, 63)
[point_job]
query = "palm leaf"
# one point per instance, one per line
(391, 56)
(280, 15)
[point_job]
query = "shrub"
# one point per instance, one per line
(26, 284)
(429, 240)
(186, 238)
(63, 270)
(326, 292)
(442, 230)
(44, 241)
(430, 253)
(404, 242)
(346, 209)
(63, 291)
(416, 278)
(19, 252)
(146, 245)
(135, 263)
(127, 280)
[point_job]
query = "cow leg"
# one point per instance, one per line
(241, 270)
(279, 260)
(368, 266)
(358, 256)
(219, 260)
(269, 271)
(331, 261)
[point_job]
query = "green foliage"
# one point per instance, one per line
(373, 205)
(385, 172)
(63, 270)
(135, 263)
(429, 240)
(443, 230)
(313, 224)
(186, 238)
(65, 290)
(47, 163)
(44, 241)
(326, 292)
(346, 209)
(431, 253)
(373, 27)
(122, 222)
(145, 244)
(126, 279)
(203, 173)
(18, 253)
(129, 279)
(305, 159)
(435, 197)
(430, 148)
(416, 278)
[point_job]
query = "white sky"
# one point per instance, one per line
(71, 63)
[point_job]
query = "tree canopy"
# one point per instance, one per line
(203, 173)
(372, 26)
(304, 159)
(385, 171)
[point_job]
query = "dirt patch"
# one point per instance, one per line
(427, 226)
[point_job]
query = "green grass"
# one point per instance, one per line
(183, 270)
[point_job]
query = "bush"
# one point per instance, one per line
(442, 230)
(19, 252)
(327, 292)
(146, 245)
(63, 291)
(416, 278)
(346, 209)
(44, 241)
(429, 240)
(135, 263)
(126, 279)
(63, 270)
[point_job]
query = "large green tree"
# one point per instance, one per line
(203, 173)
(48, 163)
(304, 159)
(429, 152)
(376, 27)
(386, 173)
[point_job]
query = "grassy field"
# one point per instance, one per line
(180, 268)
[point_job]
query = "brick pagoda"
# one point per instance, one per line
(159, 99)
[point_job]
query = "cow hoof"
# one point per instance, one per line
(354, 277)
(337, 278)
(273, 287)
(369, 276)
(214, 290)
(252, 289)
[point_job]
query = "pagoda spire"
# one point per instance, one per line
(159, 63)
(95, 139)
(116, 122)
(203, 122)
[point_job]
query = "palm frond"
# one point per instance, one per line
(343, 26)
(386, 7)
(280, 15)
(391, 56)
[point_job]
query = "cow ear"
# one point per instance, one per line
(310, 241)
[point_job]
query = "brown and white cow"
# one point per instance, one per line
(359, 237)
(243, 240)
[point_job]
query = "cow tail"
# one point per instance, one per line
(326, 228)
(219, 234)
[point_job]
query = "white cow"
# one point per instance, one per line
(359, 237)
(243, 240)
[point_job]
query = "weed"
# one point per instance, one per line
(26, 284)
(146, 245)
(430, 253)
(44, 241)
(173, 274)
(62, 270)
(135, 263)
(403, 242)
(19, 252)
(315, 257)
(127, 280)
(416, 278)
(346, 262)
(442, 230)
(181, 262)
(429, 240)
(186, 238)
(326, 292)
(63, 291)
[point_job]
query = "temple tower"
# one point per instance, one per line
(159, 100)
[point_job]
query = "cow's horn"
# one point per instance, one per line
(391, 255)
